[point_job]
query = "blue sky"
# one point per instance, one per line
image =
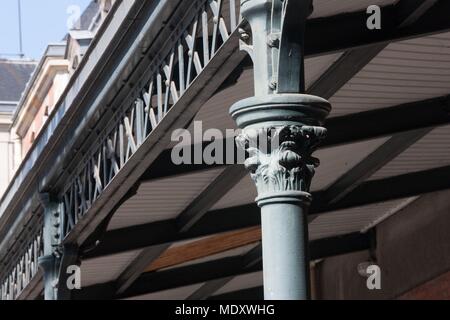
(43, 22)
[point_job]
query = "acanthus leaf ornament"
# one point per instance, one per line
(286, 163)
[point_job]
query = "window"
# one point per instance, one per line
(75, 63)
(46, 114)
(107, 6)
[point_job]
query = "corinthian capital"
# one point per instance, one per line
(285, 162)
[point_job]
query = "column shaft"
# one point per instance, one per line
(48, 265)
(286, 270)
(282, 127)
(51, 237)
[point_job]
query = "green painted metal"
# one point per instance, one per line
(49, 262)
(281, 129)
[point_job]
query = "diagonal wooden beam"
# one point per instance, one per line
(209, 288)
(348, 65)
(218, 269)
(410, 11)
(397, 187)
(361, 126)
(355, 59)
(213, 193)
(321, 248)
(205, 247)
(198, 273)
(166, 232)
(252, 258)
(343, 70)
(137, 266)
(403, 21)
(186, 220)
(250, 294)
(372, 163)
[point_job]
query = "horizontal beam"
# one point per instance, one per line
(349, 30)
(185, 221)
(169, 279)
(405, 20)
(252, 258)
(184, 276)
(339, 245)
(341, 130)
(234, 218)
(355, 240)
(401, 118)
(372, 163)
(167, 232)
(319, 249)
(205, 247)
(343, 70)
(256, 293)
(208, 197)
(397, 187)
(137, 266)
(222, 268)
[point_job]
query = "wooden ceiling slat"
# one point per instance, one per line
(206, 247)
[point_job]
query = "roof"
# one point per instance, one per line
(87, 18)
(14, 75)
(81, 34)
(55, 50)
(89, 14)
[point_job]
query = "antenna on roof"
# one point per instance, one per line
(21, 55)
(19, 7)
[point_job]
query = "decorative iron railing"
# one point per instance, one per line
(194, 46)
(22, 272)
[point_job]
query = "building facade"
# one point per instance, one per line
(14, 75)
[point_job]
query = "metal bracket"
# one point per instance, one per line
(275, 42)
(291, 74)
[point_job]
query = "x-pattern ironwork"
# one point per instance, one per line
(23, 270)
(192, 50)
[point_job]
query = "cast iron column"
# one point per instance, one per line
(281, 129)
(58, 256)
(51, 238)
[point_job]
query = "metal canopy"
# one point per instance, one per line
(380, 181)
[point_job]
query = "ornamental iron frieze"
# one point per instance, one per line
(24, 270)
(192, 48)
